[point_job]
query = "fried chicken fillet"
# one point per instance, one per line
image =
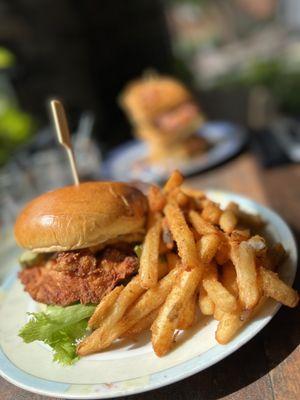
(74, 276)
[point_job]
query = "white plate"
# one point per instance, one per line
(127, 368)
(126, 162)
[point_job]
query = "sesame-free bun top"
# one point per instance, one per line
(146, 98)
(76, 217)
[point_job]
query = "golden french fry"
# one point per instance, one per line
(157, 200)
(223, 252)
(211, 212)
(228, 327)
(258, 244)
(149, 301)
(206, 305)
(127, 296)
(165, 324)
(230, 324)
(221, 297)
(182, 235)
(243, 258)
(142, 325)
(228, 221)
(173, 182)
(278, 290)
(202, 226)
(240, 235)
(181, 198)
(229, 279)
(195, 193)
(188, 313)
(148, 270)
(218, 313)
(104, 307)
(232, 206)
(244, 217)
(207, 247)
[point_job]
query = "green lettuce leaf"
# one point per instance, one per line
(60, 328)
(138, 249)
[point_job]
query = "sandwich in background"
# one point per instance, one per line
(164, 113)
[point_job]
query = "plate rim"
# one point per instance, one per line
(183, 374)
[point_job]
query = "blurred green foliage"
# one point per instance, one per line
(16, 126)
(7, 59)
(282, 81)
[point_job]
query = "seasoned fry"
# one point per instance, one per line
(232, 206)
(157, 200)
(149, 301)
(243, 258)
(211, 212)
(244, 217)
(127, 297)
(274, 287)
(229, 279)
(206, 305)
(165, 324)
(173, 182)
(195, 193)
(258, 244)
(218, 313)
(240, 235)
(228, 221)
(104, 307)
(182, 199)
(230, 324)
(148, 270)
(228, 327)
(223, 252)
(201, 225)
(207, 247)
(221, 297)
(187, 315)
(142, 325)
(182, 235)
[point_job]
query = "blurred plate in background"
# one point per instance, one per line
(127, 162)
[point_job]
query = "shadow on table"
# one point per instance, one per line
(254, 360)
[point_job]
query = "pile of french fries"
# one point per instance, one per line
(195, 256)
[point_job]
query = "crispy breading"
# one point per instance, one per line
(78, 276)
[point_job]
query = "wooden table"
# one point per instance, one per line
(268, 367)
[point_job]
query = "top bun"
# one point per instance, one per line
(76, 217)
(145, 99)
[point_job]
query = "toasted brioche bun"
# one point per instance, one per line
(146, 98)
(76, 217)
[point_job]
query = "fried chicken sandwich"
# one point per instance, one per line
(80, 241)
(164, 113)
